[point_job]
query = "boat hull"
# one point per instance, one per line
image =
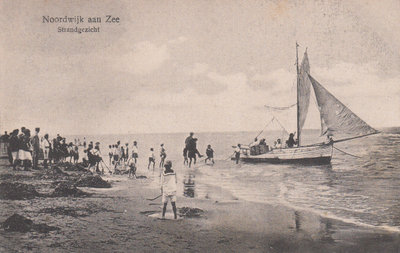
(318, 154)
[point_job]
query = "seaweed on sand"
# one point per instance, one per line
(66, 189)
(18, 223)
(17, 191)
(92, 181)
(190, 212)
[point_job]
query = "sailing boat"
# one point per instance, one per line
(336, 121)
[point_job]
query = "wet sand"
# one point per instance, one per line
(117, 219)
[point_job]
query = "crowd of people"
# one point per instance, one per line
(25, 149)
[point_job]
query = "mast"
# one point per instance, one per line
(298, 105)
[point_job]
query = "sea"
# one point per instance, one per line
(361, 186)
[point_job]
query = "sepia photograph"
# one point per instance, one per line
(200, 126)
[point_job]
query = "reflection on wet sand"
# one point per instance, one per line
(189, 185)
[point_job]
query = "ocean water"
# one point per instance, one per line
(364, 191)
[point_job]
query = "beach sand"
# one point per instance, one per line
(117, 219)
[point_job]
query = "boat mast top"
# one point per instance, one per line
(298, 83)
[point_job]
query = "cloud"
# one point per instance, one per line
(198, 69)
(178, 40)
(144, 58)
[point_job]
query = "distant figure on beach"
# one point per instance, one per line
(163, 155)
(122, 154)
(132, 168)
(210, 154)
(291, 142)
(24, 152)
(14, 146)
(117, 154)
(46, 150)
(76, 154)
(36, 148)
(84, 142)
(151, 159)
(168, 188)
(135, 151)
(126, 158)
(192, 151)
(237, 153)
(110, 153)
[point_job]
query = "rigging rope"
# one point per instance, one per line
(265, 127)
(346, 153)
(281, 126)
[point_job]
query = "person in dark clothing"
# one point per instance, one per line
(237, 153)
(291, 142)
(14, 146)
(210, 154)
(5, 137)
(192, 151)
(189, 139)
(36, 148)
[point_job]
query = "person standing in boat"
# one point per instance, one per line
(291, 142)
(254, 143)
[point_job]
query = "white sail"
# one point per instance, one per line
(303, 90)
(336, 118)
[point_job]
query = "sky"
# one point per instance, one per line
(180, 66)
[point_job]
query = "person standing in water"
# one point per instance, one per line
(126, 158)
(192, 151)
(110, 153)
(237, 153)
(168, 188)
(163, 155)
(135, 151)
(210, 154)
(151, 159)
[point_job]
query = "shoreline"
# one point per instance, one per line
(119, 224)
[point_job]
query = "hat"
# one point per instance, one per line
(168, 164)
